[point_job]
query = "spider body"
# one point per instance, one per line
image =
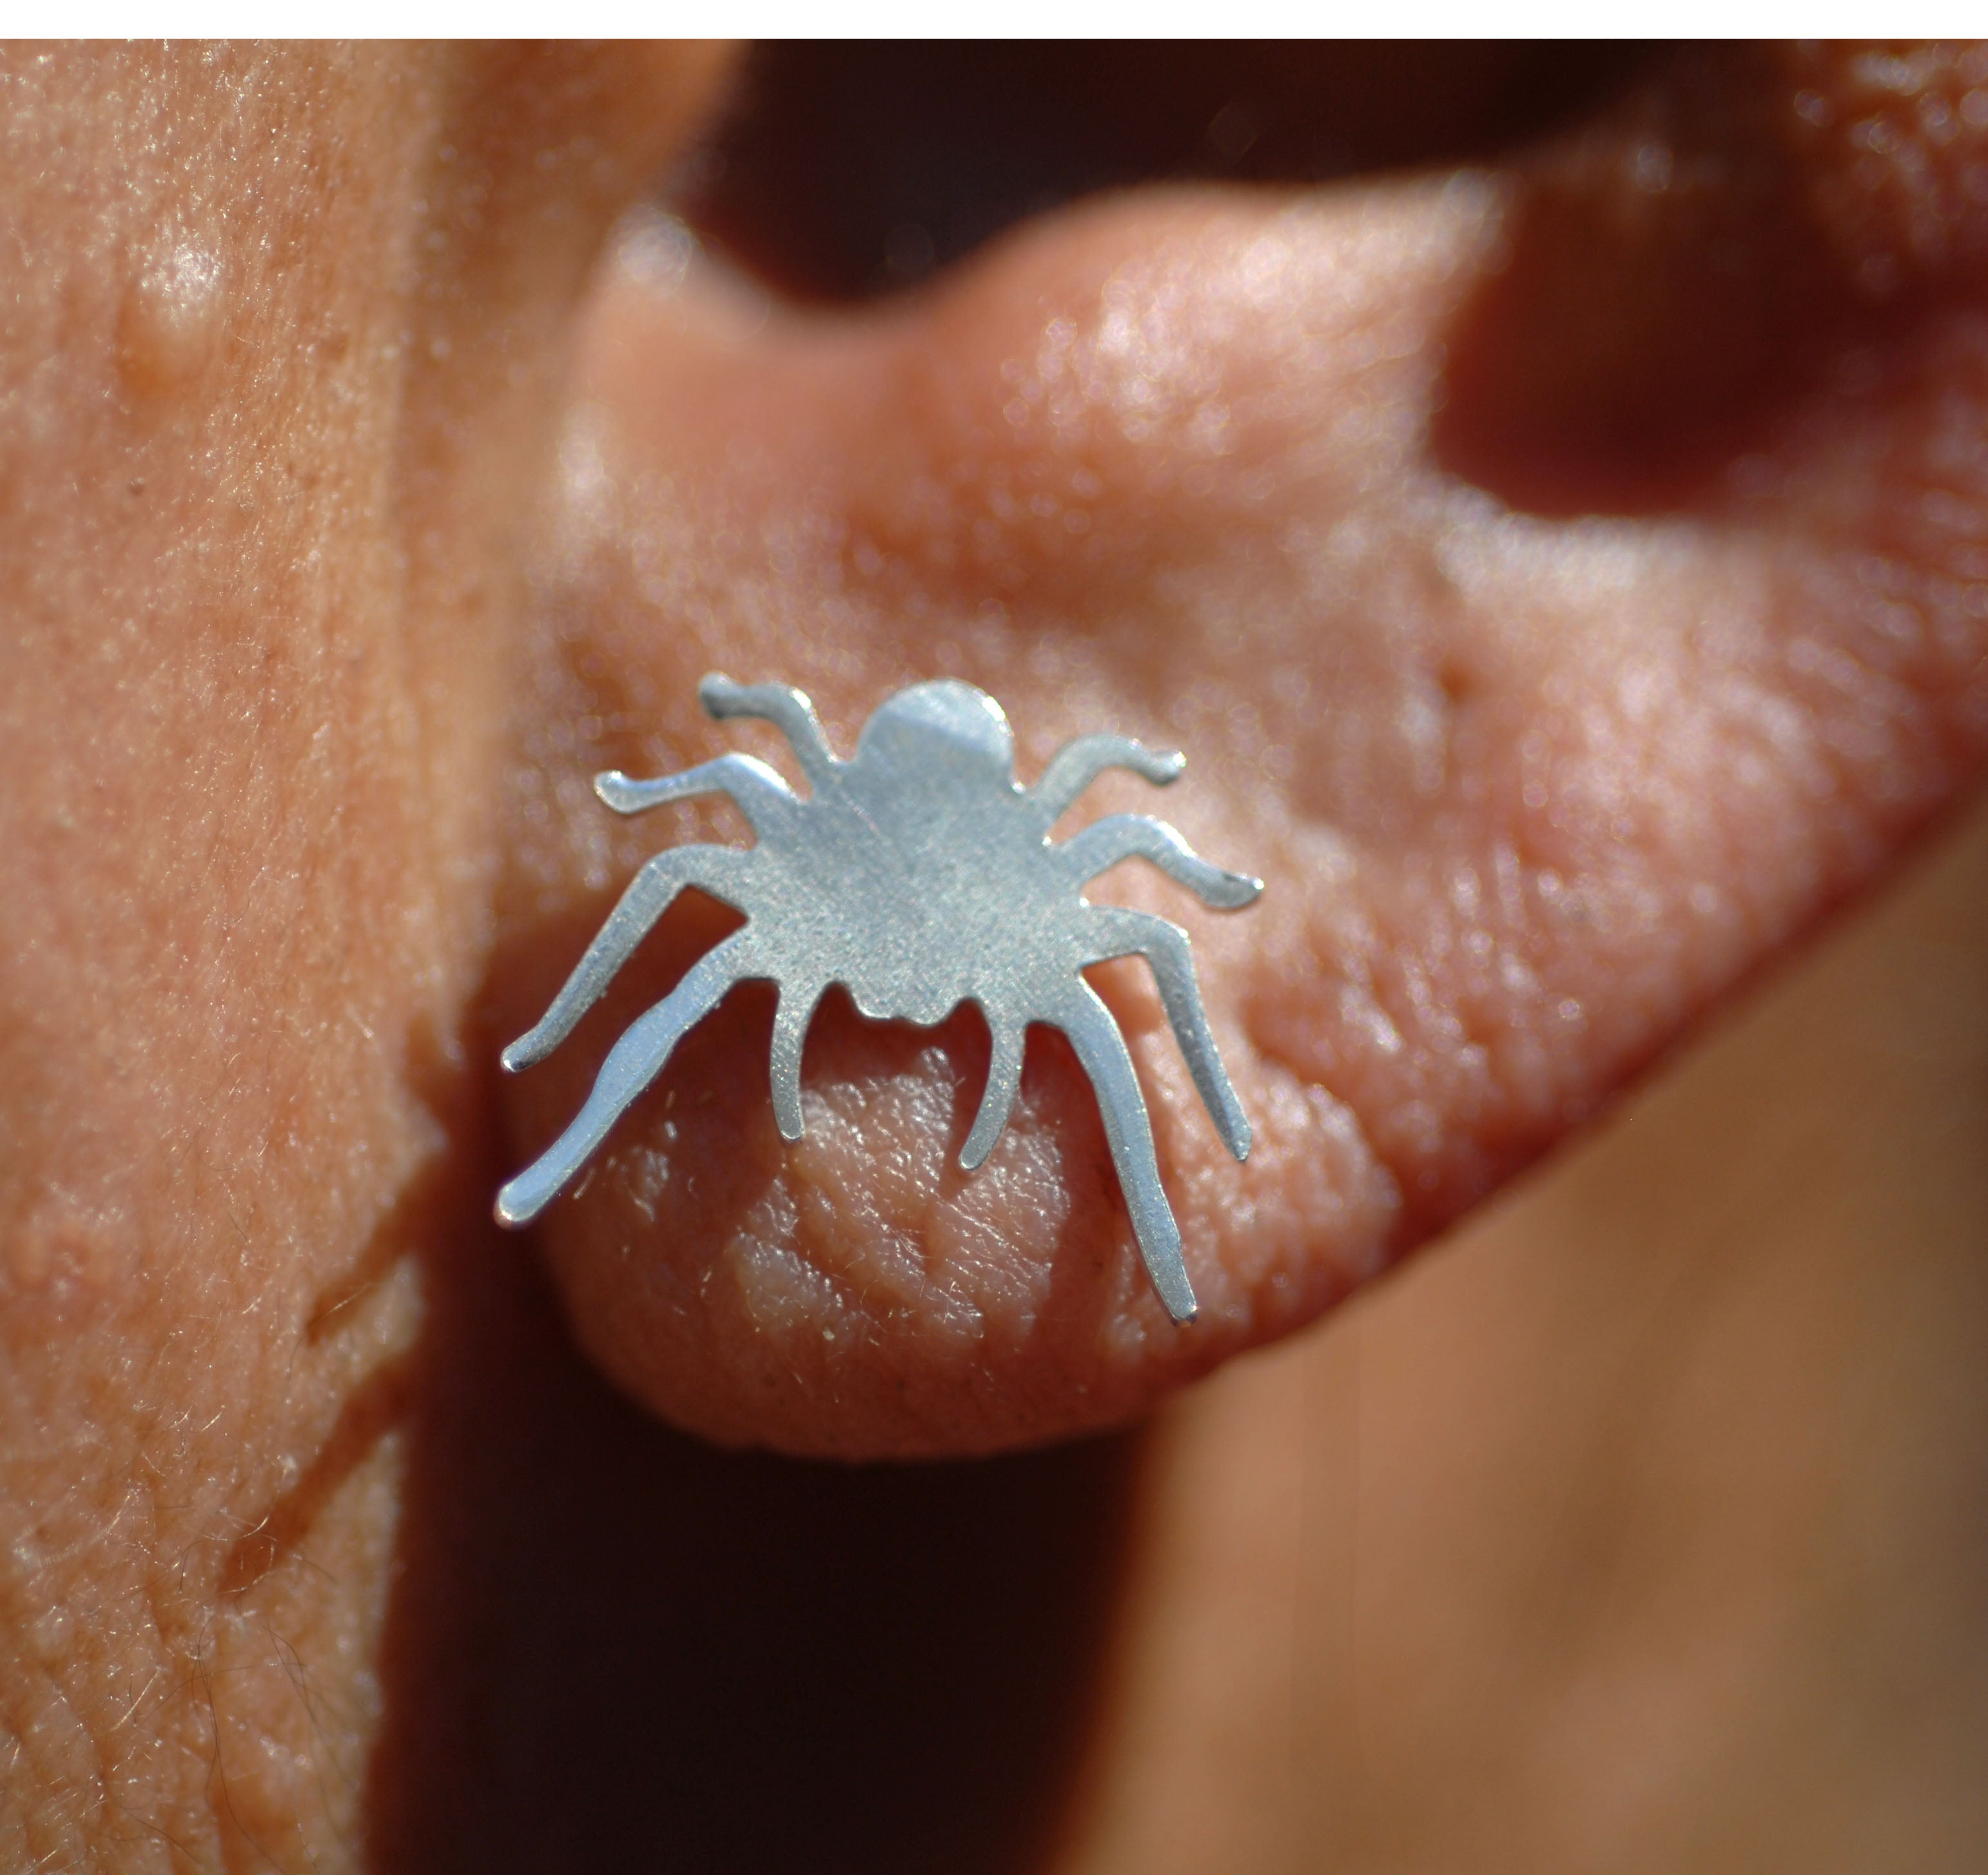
(918, 874)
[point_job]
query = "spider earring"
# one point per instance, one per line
(918, 874)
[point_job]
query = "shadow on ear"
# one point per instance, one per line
(610, 1646)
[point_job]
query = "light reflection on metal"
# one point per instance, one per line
(918, 874)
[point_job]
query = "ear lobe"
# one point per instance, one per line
(1531, 791)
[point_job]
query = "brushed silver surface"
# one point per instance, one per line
(918, 874)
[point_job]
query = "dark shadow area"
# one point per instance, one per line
(1671, 300)
(610, 1646)
(436, 1201)
(845, 170)
(1658, 305)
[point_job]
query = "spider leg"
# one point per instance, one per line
(788, 710)
(1004, 1077)
(1077, 764)
(1133, 836)
(715, 869)
(633, 1061)
(766, 800)
(1113, 932)
(1085, 1020)
(790, 1027)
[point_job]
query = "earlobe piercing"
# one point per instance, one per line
(918, 874)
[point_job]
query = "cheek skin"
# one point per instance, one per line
(1529, 792)
(273, 391)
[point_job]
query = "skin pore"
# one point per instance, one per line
(1566, 577)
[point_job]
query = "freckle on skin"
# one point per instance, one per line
(170, 319)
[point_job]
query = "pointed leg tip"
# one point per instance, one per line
(512, 1213)
(971, 1158)
(788, 1115)
(622, 793)
(718, 693)
(528, 1194)
(517, 1057)
(1181, 1306)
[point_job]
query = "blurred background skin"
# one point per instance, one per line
(1644, 1525)
(1640, 1525)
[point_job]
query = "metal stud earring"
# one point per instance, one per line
(918, 874)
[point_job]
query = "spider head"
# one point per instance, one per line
(946, 731)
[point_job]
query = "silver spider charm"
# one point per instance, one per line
(918, 875)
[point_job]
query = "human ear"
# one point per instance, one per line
(1556, 671)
